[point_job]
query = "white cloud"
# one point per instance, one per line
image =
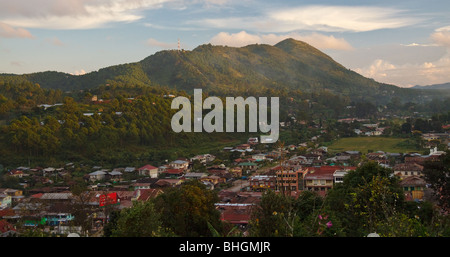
(315, 39)
(377, 70)
(235, 40)
(409, 74)
(79, 72)
(441, 36)
(317, 18)
(341, 18)
(7, 31)
(73, 14)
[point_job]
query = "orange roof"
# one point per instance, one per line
(147, 167)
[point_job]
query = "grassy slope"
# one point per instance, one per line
(376, 143)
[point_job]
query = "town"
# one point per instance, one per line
(42, 198)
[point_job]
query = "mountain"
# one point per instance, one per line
(435, 86)
(288, 65)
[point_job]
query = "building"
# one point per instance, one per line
(288, 179)
(195, 175)
(262, 182)
(408, 169)
(248, 166)
(148, 170)
(413, 187)
(321, 179)
(98, 175)
(179, 164)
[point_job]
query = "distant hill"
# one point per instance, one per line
(290, 65)
(435, 86)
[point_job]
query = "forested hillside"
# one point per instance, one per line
(220, 70)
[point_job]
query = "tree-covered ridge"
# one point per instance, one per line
(221, 70)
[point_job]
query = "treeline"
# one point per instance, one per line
(23, 96)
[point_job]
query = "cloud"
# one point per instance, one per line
(73, 14)
(79, 72)
(441, 36)
(7, 31)
(341, 18)
(315, 39)
(155, 43)
(316, 17)
(377, 70)
(409, 74)
(235, 40)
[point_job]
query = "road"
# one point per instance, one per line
(238, 184)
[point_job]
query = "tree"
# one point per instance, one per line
(141, 220)
(274, 216)
(188, 209)
(437, 173)
(367, 197)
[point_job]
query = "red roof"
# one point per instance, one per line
(236, 215)
(173, 171)
(38, 195)
(7, 212)
(146, 194)
(5, 226)
(147, 167)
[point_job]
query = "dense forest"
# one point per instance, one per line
(120, 123)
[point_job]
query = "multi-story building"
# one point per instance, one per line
(321, 179)
(289, 179)
(262, 182)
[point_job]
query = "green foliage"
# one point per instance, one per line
(437, 173)
(189, 210)
(141, 220)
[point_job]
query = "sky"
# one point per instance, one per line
(404, 43)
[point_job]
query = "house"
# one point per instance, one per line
(16, 173)
(236, 214)
(243, 147)
(144, 183)
(213, 179)
(173, 173)
(11, 192)
(179, 164)
(129, 169)
(321, 179)
(148, 170)
(338, 176)
(204, 158)
(235, 172)
(167, 182)
(408, 169)
(413, 187)
(146, 194)
(259, 157)
(115, 175)
(248, 166)
(194, 175)
(5, 201)
(6, 229)
(97, 175)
